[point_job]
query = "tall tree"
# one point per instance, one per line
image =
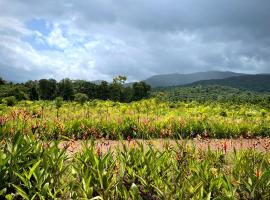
(103, 90)
(32, 90)
(2, 81)
(116, 88)
(65, 89)
(47, 89)
(140, 90)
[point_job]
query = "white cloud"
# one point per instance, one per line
(57, 39)
(100, 39)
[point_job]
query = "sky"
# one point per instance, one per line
(100, 39)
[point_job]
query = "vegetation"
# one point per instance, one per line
(33, 164)
(140, 119)
(259, 83)
(34, 169)
(48, 89)
(214, 94)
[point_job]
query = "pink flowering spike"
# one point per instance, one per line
(129, 138)
(258, 173)
(225, 146)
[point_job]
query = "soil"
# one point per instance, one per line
(260, 144)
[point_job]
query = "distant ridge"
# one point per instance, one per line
(175, 79)
(257, 82)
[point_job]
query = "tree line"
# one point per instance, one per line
(49, 89)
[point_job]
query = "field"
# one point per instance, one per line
(145, 119)
(114, 161)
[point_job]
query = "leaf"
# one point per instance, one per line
(21, 192)
(3, 191)
(33, 169)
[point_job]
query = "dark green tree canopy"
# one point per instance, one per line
(47, 89)
(65, 89)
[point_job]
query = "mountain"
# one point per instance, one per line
(257, 82)
(166, 80)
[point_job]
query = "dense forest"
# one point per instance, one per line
(257, 82)
(212, 93)
(78, 90)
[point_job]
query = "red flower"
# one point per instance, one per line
(99, 152)
(129, 138)
(258, 173)
(34, 128)
(225, 146)
(2, 121)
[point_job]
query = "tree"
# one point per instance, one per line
(116, 88)
(120, 80)
(81, 98)
(2, 81)
(103, 90)
(86, 87)
(47, 89)
(140, 90)
(126, 94)
(58, 104)
(33, 93)
(65, 89)
(32, 90)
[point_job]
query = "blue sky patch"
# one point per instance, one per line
(39, 25)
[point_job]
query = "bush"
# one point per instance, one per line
(10, 101)
(81, 98)
(58, 102)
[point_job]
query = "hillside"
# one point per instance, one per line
(211, 93)
(165, 80)
(258, 82)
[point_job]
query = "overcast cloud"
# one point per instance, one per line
(99, 39)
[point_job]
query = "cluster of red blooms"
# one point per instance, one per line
(258, 173)
(129, 138)
(35, 127)
(225, 147)
(99, 152)
(2, 121)
(14, 115)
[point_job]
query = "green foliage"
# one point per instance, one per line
(81, 98)
(141, 119)
(58, 102)
(140, 90)
(47, 89)
(258, 82)
(33, 169)
(65, 89)
(213, 93)
(10, 101)
(2, 81)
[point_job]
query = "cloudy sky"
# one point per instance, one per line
(99, 39)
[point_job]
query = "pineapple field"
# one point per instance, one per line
(148, 149)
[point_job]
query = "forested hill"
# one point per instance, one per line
(259, 82)
(165, 80)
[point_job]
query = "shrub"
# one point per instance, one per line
(10, 101)
(81, 98)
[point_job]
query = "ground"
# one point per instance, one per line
(260, 144)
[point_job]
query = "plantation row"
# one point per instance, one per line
(144, 119)
(32, 169)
